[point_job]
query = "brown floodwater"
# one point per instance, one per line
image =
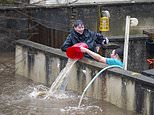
(16, 97)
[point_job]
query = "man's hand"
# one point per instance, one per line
(97, 48)
(105, 41)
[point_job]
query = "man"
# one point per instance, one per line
(116, 56)
(80, 34)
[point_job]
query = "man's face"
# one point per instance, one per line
(79, 29)
(113, 55)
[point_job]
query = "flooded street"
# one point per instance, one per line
(16, 98)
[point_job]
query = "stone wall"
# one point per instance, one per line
(49, 25)
(13, 26)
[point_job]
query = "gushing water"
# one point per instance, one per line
(62, 79)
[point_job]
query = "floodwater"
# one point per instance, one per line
(16, 98)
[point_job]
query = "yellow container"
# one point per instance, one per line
(104, 24)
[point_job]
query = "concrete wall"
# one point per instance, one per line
(125, 89)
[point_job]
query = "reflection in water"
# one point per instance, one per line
(16, 98)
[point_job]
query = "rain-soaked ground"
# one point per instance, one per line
(16, 97)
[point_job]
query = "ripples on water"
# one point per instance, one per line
(17, 97)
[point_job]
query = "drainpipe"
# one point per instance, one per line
(129, 22)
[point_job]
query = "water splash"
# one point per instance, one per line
(39, 90)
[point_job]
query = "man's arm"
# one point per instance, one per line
(67, 43)
(100, 39)
(93, 54)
